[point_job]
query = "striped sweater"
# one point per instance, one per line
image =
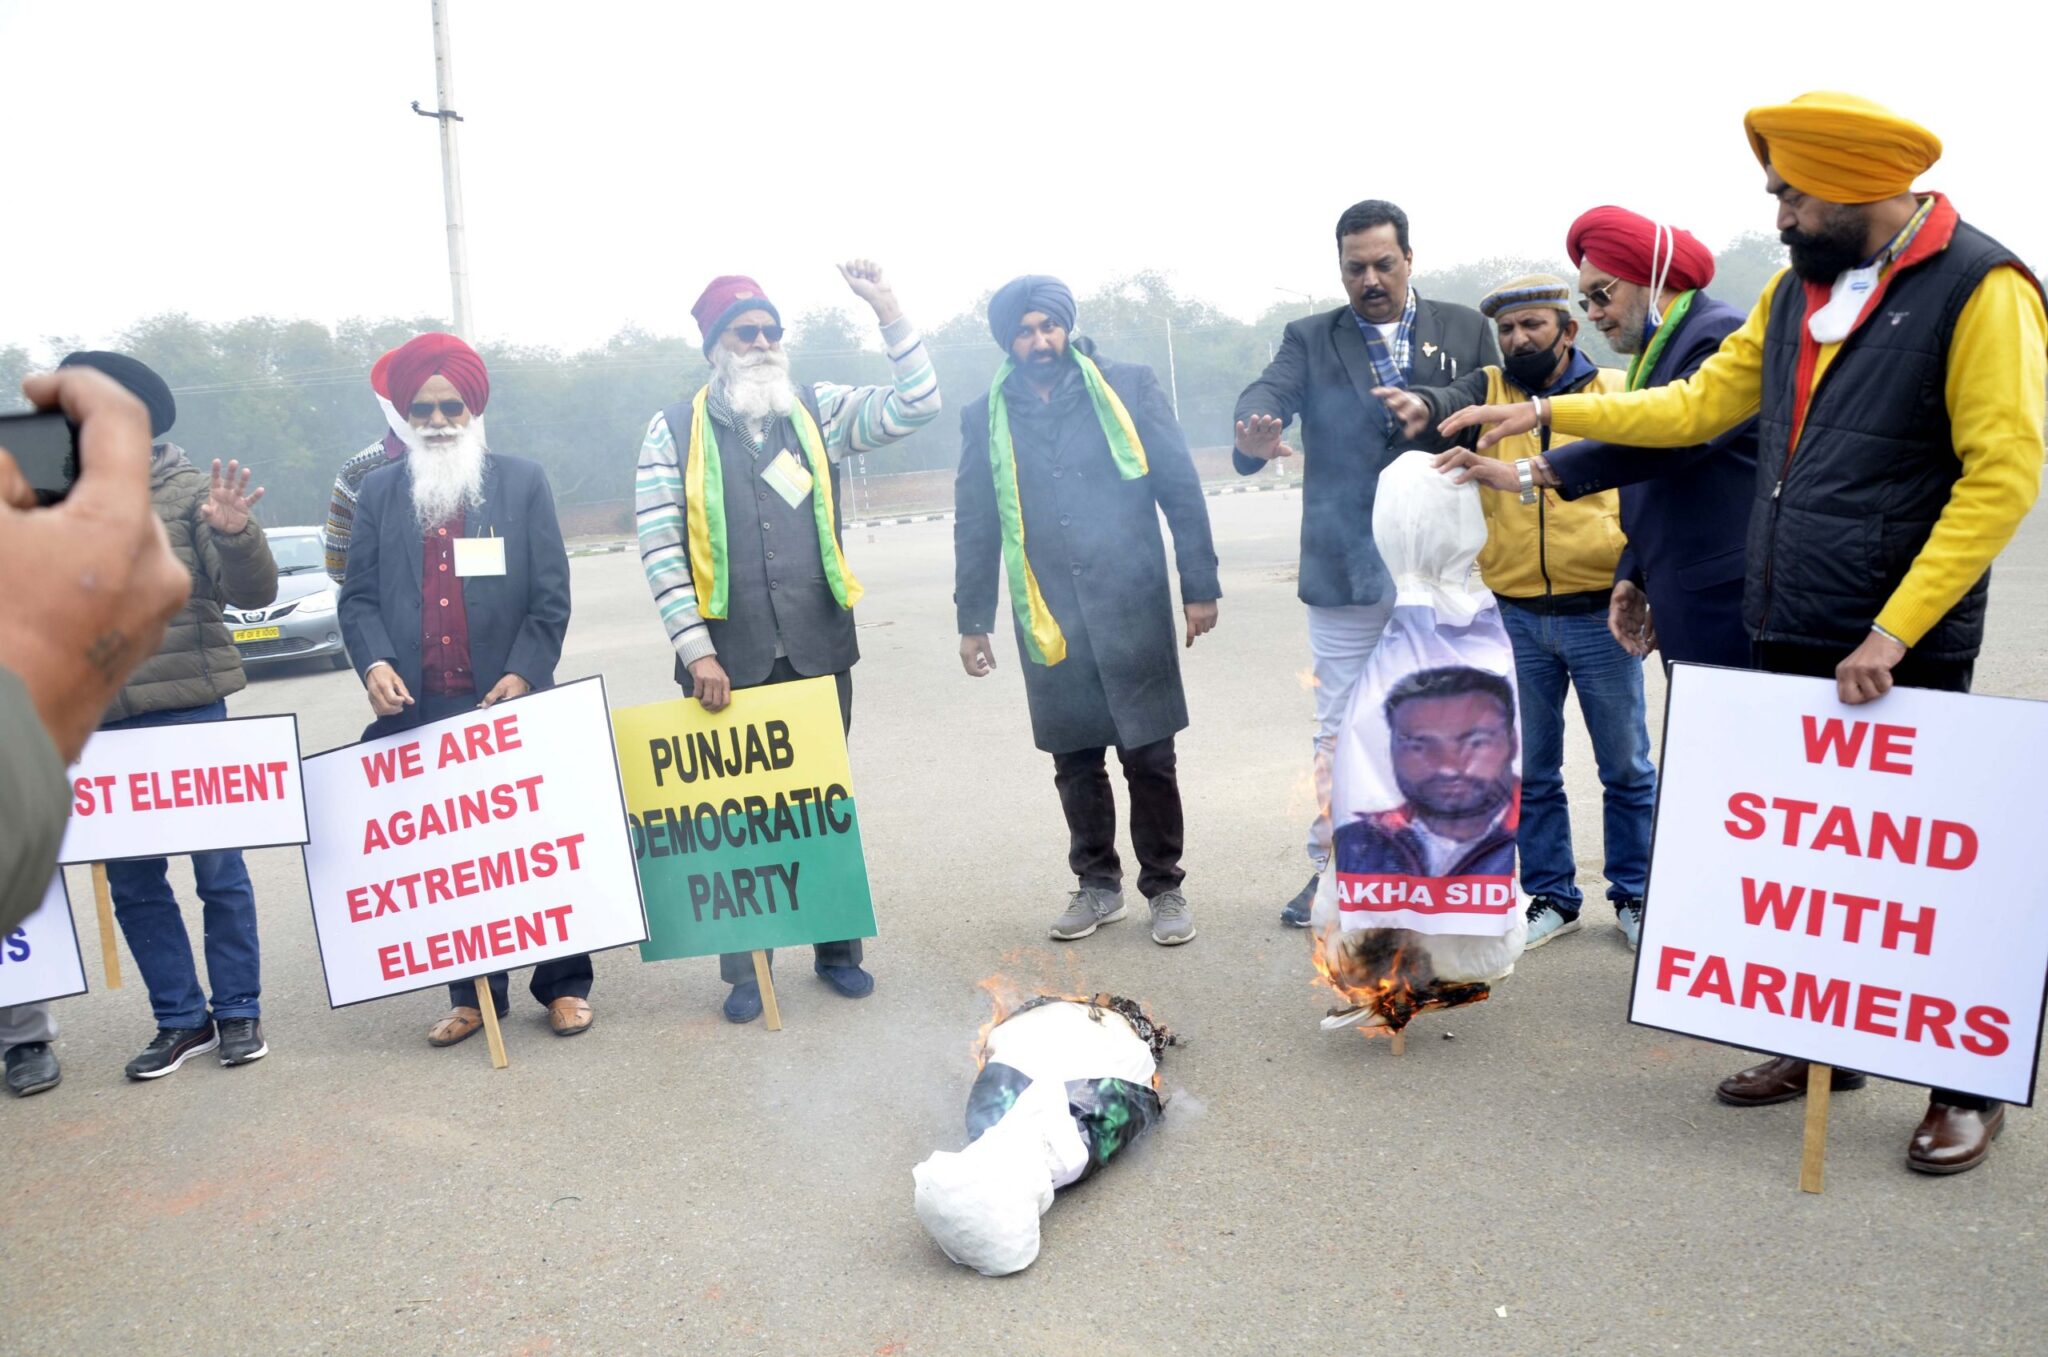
(854, 419)
(341, 504)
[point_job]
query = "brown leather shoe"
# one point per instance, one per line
(460, 1025)
(569, 1015)
(1953, 1139)
(1778, 1081)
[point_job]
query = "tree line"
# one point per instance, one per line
(291, 397)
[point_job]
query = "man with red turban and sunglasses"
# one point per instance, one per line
(765, 595)
(426, 644)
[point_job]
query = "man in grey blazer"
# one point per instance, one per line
(1325, 373)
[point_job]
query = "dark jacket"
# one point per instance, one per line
(1094, 544)
(516, 620)
(1838, 521)
(1323, 373)
(197, 664)
(1386, 844)
(1684, 509)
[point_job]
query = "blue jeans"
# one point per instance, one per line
(155, 930)
(1554, 653)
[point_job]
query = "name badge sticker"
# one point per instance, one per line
(476, 556)
(788, 478)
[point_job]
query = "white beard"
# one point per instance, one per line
(755, 385)
(447, 474)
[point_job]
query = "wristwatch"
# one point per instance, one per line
(1525, 476)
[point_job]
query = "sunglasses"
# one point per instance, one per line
(448, 409)
(749, 333)
(1601, 296)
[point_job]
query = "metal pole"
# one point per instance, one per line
(451, 172)
(1172, 373)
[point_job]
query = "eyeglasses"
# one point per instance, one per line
(448, 409)
(749, 333)
(1601, 296)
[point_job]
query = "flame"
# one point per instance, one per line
(1383, 971)
(1006, 995)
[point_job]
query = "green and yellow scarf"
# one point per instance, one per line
(1043, 641)
(1646, 362)
(704, 490)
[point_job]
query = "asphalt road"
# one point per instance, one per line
(1551, 1180)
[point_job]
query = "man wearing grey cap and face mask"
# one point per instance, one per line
(1065, 467)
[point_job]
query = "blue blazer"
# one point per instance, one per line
(1685, 510)
(516, 620)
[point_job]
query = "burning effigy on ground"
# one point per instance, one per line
(1418, 909)
(1065, 1085)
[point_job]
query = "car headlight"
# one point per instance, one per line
(315, 605)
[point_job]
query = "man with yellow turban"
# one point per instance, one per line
(1891, 297)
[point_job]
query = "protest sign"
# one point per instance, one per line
(202, 787)
(1851, 886)
(485, 841)
(39, 959)
(743, 822)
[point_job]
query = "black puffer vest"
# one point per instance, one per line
(1839, 520)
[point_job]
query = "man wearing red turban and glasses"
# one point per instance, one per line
(427, 645)
(1896, 372)
(1678, 588)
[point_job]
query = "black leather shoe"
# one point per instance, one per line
(1953, 1139)
(32, 1068)
(1779, 1081)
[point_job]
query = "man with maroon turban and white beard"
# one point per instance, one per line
(426, 644)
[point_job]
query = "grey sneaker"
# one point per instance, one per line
(1088, 909)
(1172, 924)
(1628, 917)
(1548, 922)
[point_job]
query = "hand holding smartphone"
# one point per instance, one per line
(44, 445)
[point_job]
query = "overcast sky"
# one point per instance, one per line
(232, 158)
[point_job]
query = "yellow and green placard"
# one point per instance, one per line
(743, 822)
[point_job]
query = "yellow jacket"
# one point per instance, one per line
(1553, 546)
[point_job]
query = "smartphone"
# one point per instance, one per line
(44, 444)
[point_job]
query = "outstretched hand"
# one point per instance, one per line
(1464, 466)
(1259, 437)
(1505, 420)
(1405, 406)
(229, 501)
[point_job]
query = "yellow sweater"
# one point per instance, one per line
(1996, 392)
(1554, 546)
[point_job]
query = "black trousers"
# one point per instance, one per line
(551, 979)
(1946, 676)
(1082, 776)
(734, 967)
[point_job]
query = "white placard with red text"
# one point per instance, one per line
(39, 957)
(484, 842)
(1855, 886)
(204, 787)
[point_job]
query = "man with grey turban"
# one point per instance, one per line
(1065, 467)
